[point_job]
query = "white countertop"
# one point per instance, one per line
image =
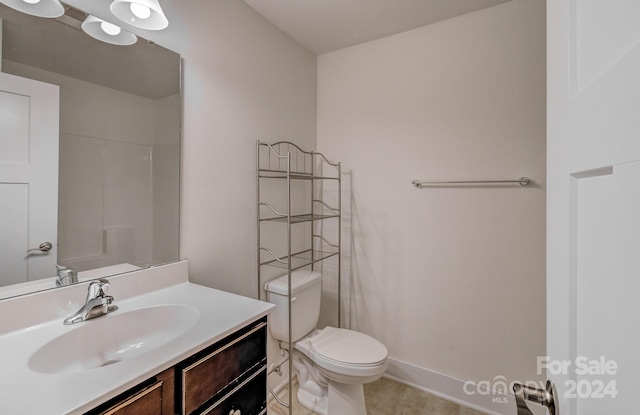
(24, 391)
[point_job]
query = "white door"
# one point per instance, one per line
(593, 206)
(29, 118)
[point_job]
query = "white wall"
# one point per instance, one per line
(244, 80)
(452, 280)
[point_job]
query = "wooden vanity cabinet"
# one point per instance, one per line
(229, 377)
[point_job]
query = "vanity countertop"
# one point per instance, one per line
(25, 391)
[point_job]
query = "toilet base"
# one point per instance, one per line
(330, 392)
(346, 399)
(312, 402)
(342, 399)
(312, 386)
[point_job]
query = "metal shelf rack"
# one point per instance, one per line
(285, 160)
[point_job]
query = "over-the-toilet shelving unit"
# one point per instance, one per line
(295, 202)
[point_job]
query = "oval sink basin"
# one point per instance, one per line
(110, 339)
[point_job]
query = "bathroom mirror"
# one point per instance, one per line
(119, 152)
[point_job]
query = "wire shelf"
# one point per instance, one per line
(301, 259)
(299, 218)
(285, 160)
(272, 174)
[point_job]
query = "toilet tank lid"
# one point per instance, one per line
(300, 280)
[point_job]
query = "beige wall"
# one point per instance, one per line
(244, 80)
(451, 279)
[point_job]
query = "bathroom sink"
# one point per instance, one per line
(113, 338)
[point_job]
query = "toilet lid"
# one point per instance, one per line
(348, 347)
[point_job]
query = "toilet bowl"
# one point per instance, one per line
(331, 364)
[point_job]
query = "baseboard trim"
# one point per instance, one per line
(444, 386)
(451, 389)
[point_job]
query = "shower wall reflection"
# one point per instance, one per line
(118, 196)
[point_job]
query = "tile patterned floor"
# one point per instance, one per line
(385, 397)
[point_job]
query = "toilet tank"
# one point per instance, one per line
(306, 290)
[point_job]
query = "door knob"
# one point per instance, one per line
(547, 397)
(44, 247)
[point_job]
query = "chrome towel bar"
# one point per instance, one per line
(523, 181)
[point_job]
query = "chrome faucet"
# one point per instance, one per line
(96, 305)
(66, 275)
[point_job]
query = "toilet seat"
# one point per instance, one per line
(348, 352)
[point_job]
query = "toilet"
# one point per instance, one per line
(331, 364)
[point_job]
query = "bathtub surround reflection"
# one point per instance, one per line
(127, 211)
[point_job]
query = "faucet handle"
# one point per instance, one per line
(66, 275)
(97, 288)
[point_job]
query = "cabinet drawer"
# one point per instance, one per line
(218, 367)
(146, 402)
(248, 398)
(155, 396)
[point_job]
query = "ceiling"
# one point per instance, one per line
(319, 25)
(326, 25)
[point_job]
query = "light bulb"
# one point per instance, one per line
(138, 10)
(110, 28)
(32, 1)
(143, 14)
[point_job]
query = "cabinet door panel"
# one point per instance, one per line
(249, 398)
(215, 371)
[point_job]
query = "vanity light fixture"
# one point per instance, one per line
(40, 8)
(144, 14)
(107, 32)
